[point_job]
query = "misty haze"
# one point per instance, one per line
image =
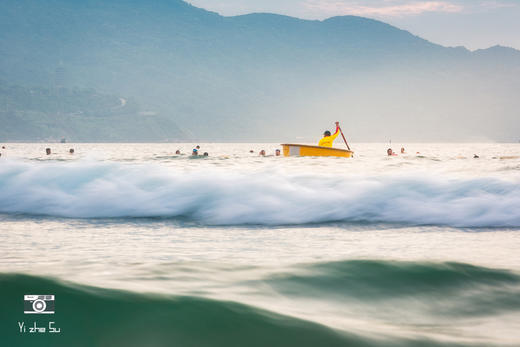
(337, 173)
(163, 70)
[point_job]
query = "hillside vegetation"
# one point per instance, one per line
(250, 78)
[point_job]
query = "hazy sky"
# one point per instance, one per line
(471, 23)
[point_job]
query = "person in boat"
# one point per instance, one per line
(327, 139)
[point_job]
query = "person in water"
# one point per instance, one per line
(206, 154)
(262, 153)
(390, 152)
(277, 152)
(402, 150)
(71, 151)
(195, 152)
(327, 139)
(178, 152)
(48, 151)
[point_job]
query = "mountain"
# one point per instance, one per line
(259, 76)
(80, 115)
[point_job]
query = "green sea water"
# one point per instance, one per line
(142, 247)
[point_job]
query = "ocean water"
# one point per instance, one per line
(142, 247)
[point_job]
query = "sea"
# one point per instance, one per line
(133, 245)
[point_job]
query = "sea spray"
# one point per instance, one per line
(216, 197)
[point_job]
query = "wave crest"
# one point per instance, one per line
(214, 197)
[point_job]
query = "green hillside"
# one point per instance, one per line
(256, 77)
(78, 115)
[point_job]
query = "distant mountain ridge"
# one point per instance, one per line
(262, 76)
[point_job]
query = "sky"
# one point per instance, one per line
(471, 23)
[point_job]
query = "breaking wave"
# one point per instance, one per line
(215, 197)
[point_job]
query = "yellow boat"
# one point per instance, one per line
(290, 149)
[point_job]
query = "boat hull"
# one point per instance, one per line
(290, 149)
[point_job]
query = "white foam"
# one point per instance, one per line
(216, 197)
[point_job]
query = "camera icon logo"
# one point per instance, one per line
(38, 304)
